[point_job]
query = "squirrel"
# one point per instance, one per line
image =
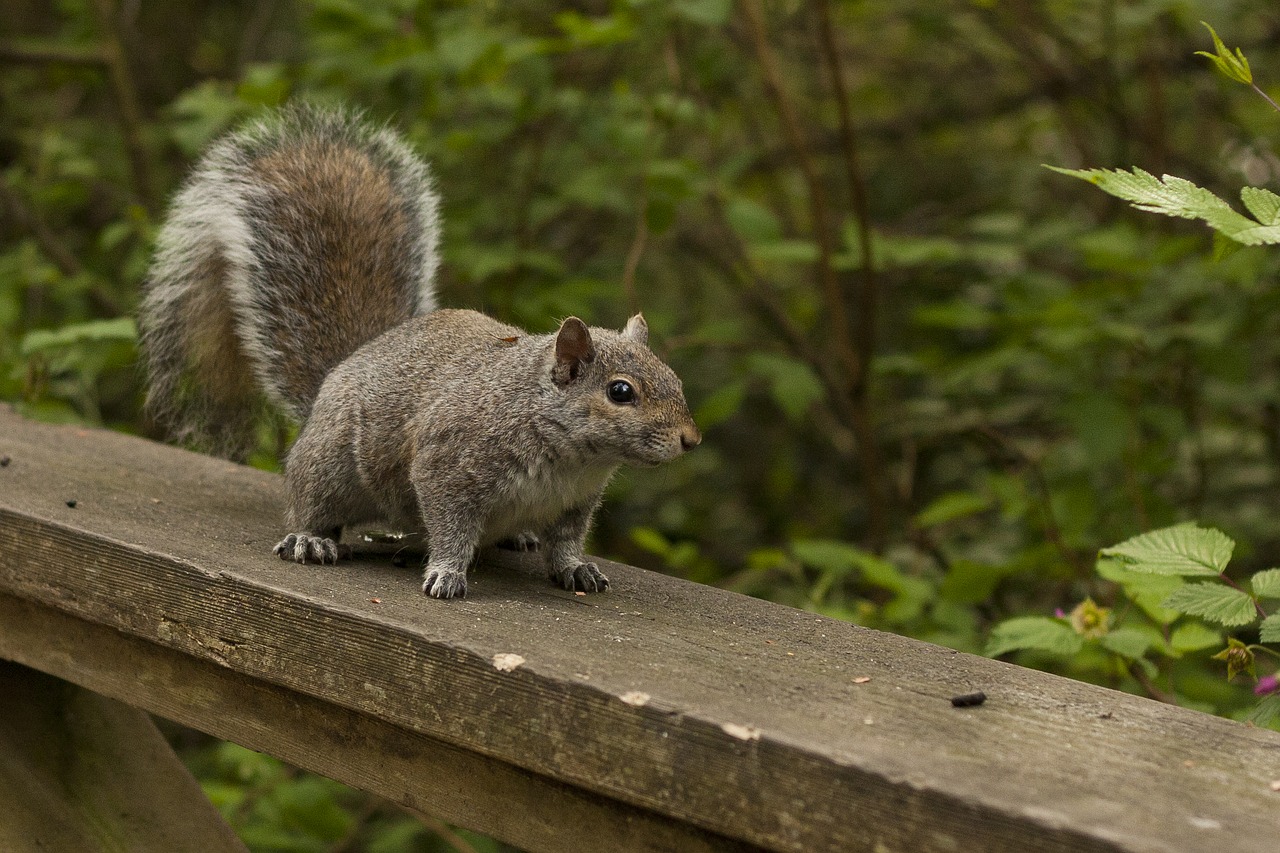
(295, 269)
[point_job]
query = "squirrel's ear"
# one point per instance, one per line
(637, 330)
(574, 348)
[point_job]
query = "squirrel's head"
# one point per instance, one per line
(633, 402)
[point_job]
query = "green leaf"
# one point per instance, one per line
(1148, 591)
(1265, 712)
(784, 251)
(1263, 204)
(1034, 632)
(651, 540)
(971, 582)
(1184, 549)
(1131, 643)
(752, 220)
(950, 507)
(837, 560)
(827, 555)
(1194, 636)
(1232, 65)
(721, 405)
(708, 13)
(1177, 197)
(1215, 602)
(1270, 629)
(793, 384)
(94, 331)
(1266, 584)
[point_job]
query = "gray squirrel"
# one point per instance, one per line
(296, 266)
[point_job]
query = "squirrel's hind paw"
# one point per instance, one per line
(444, 583)
(583, 577)
(304, 548)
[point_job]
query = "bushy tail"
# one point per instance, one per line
(296, 240)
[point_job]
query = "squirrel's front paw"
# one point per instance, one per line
(303, 547)
(445, 583)
(582, 577)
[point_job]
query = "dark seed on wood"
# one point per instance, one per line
(968, 700)
(71, 504)
(4, 461)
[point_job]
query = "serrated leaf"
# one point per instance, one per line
(950, 507)
(1184, 549)
(1194, 636)
(1263, 204)
(1131, 643)
(1215, 602)
(1266, 584)
(1034, 632)
(1146, 590)
(1178, 197)
(1265, 712)
(1232, 65)
(1270, 630)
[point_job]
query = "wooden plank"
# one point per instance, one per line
(82, 772)
(418, 772)
(753, 726)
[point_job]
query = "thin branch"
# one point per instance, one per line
(1053, 532)
(634, 254)
(868, 296)
(820, 210)
(31, 52)
(1149, 687)
(851, 397)
(29, 220)
(1265, 97)
(126, 97)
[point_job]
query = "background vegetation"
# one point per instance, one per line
(935, 378)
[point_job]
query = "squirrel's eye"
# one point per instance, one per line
(621, 392)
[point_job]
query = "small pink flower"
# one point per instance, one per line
(1267, 684)
(1060, 613)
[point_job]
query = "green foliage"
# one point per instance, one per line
(276, 809)
(1233, 65)
(1023, 376)
(1177, 197)
(1184, 549)
(1151, 567)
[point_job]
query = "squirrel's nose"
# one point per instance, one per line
(690, 437)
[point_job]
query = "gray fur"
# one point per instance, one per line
(443, 421)
(248, 236)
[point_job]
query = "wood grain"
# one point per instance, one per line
(737, 718)
(82, 772)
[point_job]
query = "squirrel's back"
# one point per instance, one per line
(297, 239)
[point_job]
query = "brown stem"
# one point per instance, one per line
(1149, 687)
(869, 293)
(819, 208)
(29, 220)
(1051, 529)
(126, 96)
(634, 254)
(38, 53)
(851, 395)
(1265, 97)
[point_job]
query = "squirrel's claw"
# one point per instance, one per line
(583, 577)
(444, 583)
(303, 548)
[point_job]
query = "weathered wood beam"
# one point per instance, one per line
(82, 772)
(662, 705)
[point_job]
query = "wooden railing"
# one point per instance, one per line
(661, 715)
